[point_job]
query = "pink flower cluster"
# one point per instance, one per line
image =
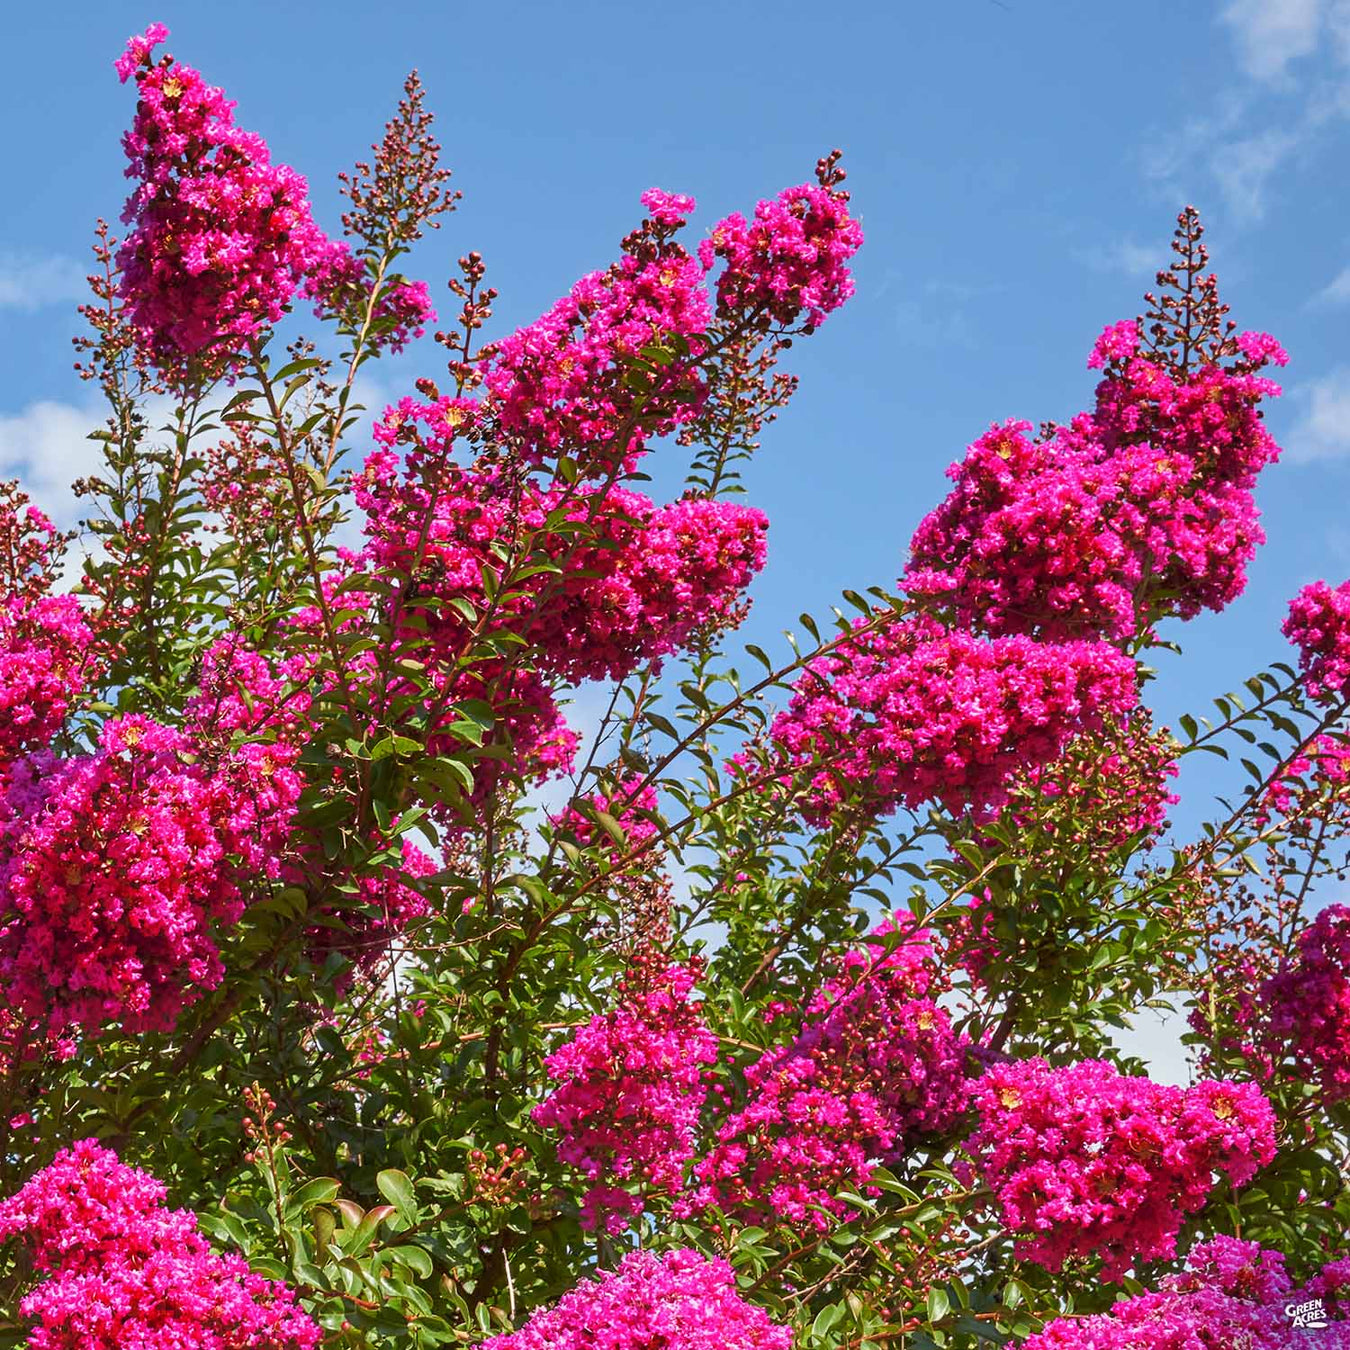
(626, 804)
(604, 581)
(1083, 1161)
(668, 210)
(341, 289)
(138, 51)
(558, 387)
(44, 656)
(220, 237)
(631, 1085)
(659, 576)
(121, 1270)
(1241, 1269)
(790, 263)
(1261, 349)
(616, 579)
(561, 385)
(1305, 1005)
(677, 1300)
(1046, 546)
(1232, 1293)
(1138, 510)
(240, 691)
(115, 866)
(1118, 343)
(1319, 626)
(912, 712)
(875, 1065)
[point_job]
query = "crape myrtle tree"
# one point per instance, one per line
(790, 1023)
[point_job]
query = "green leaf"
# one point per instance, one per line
(939, 1305)
(351, 1212)
(320, 1191)
(395, 1186)
(825, 1319)
(418, 1261)
(760, 655)
(356, 1240)
(324, 1227)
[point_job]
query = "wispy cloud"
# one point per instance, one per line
(1128, 256)
(29, 282)
(1338, 26)
(1173, 149)
(937, 314)
(1295, 56)
(1244, 168)
(1322, 431)
(1270, 34)
(1337, 291)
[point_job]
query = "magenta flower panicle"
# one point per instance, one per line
(1319, 626)
(120, 1270)
(219, 237)
(652, 1302)
(1083, 1161)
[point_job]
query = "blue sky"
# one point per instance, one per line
(1017, 165)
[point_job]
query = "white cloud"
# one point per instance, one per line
(46, 447)
(1170, 151)
(1338, 24)
(1272, 33)
(1337, 292)
(1323, 429)
(1137, 259)
(1129, 257)
(1243, 168)
(937, 314)
(1256, 126)
(29, 282)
